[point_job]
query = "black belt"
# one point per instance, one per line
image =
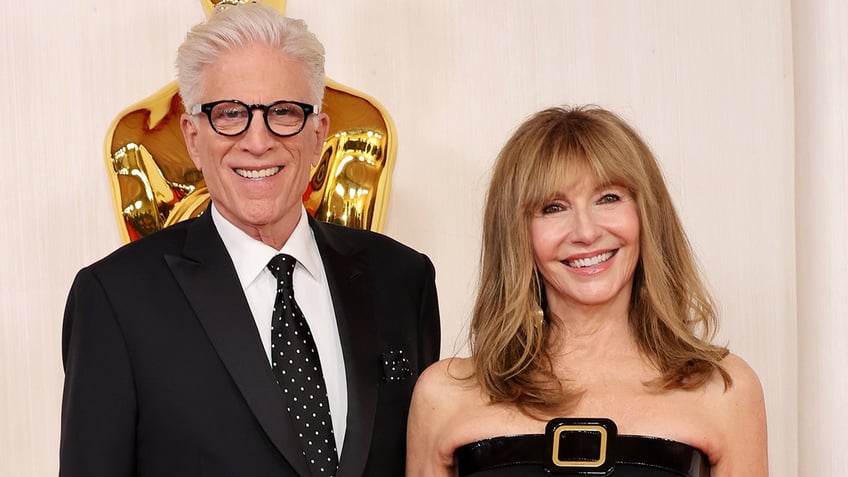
(582, 447)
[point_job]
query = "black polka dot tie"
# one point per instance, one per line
(294, 360)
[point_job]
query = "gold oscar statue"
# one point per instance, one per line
(155, 184)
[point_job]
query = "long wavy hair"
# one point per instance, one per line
(672, 315)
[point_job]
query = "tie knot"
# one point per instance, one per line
(282, 266)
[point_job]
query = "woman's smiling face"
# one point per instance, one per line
(586, 245)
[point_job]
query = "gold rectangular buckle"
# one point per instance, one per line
(602, 457)
(579, 439)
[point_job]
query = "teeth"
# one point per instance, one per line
(590, 261)
(254, 174)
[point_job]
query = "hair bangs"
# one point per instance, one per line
(577, 151)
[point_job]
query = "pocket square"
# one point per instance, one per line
(395, 366)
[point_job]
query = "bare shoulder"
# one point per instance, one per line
(443, 391)
(441, 383)
(746, 388)
(446, 371)
(740, 414)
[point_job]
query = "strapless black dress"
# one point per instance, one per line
(580, 447)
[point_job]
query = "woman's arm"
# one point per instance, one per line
(428, 415)
(742, 416)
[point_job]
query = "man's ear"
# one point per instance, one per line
(190, 131)
(322, 126)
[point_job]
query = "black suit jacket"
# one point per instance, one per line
(165, 373)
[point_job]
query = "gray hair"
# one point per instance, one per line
(241, 26)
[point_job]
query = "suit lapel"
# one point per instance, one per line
(350, 283)
(207, 277)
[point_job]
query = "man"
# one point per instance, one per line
(167, 342)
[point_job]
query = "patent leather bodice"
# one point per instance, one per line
(581, 450)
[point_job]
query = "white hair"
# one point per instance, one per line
(241, 26)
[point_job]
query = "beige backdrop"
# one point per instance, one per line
(748, 119)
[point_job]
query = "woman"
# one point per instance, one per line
(591, 333)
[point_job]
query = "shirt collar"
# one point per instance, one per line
(251, 256)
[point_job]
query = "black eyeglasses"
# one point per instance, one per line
(231, 117)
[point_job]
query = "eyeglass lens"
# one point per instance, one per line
(282, 117)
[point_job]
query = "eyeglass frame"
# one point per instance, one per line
(206, 108)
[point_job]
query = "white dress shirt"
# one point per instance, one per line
(251, 257)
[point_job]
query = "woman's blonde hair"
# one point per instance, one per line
(671, 313)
